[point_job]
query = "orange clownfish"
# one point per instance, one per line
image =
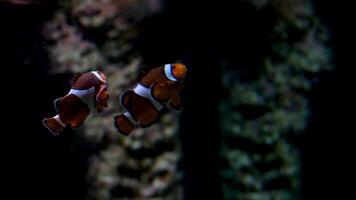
(160, 87)
(88, 89)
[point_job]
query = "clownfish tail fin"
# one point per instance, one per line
(75, 78)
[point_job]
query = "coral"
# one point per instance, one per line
(260, 117)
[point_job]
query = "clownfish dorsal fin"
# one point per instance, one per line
(75, 78)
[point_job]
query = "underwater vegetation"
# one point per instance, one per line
(267, 106)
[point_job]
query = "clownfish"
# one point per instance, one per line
(87, 90)
(158, 88)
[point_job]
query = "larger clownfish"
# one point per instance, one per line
(88, 89)
(160, 87)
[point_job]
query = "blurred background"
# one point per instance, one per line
(258, 103)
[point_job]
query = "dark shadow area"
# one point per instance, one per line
(325, 145)
(35, 164)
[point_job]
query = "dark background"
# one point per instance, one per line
(38, 165)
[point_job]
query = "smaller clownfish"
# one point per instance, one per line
(160, 87)
(88, 89)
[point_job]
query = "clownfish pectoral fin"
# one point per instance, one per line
(175, 102)
(123, 124)
(174, 107)
(160, 92)
(102, 98)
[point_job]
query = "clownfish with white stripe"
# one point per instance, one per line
(158, 88)
(88, 90)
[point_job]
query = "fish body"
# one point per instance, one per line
(157, 89)
(88, 90)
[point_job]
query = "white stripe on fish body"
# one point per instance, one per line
(146, 93)
(87, 96)
(59, 120)
(97, 75)
(130, 118)
(168, 72)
